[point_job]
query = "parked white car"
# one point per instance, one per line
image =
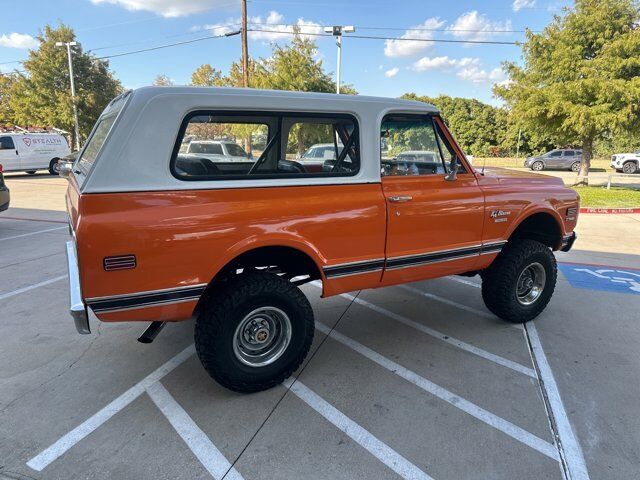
(29, 152)
(626, 162)
(222, 150)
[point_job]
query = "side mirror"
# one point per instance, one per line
(64, 169)
(452, 176)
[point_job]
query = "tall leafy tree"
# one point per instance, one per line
(42, 96)
(6, 84)
(207, 76)
(580, 80)
(162, 81)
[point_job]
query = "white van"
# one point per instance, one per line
(28, 152)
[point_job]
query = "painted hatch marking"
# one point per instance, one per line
(602, 277)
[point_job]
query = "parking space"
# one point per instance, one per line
(416, 381)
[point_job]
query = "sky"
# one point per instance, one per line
(378, 67)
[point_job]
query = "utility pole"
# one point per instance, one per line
(518, 146)
(73, 88)
(245, 48)
(337, 31)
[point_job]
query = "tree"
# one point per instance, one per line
(42, 96)
(580, 82)
(162, 81)
(207, 76)
(6, 84)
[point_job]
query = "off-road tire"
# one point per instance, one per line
(629, 167)
(223, 310)
(537, 166)
(500, 279)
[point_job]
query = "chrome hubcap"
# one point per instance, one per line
(530, 284)
(262, 336)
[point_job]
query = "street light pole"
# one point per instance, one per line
(337, 31)
(73, 88)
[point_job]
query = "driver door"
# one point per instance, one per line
(434, 226)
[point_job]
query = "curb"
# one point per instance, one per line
(610, 211)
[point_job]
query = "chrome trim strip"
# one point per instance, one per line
(144, 293)
(348, 274)
(427, 262)
(435, 252)
(145, 305)
(145, 300)
(77, 308)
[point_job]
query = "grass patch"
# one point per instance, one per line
(597, 164)
(617, 197)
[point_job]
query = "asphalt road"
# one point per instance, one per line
(418, 381)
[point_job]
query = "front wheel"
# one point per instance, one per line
(537, 166)
(253, 331)
(575, 167)
(520, 282)
(629, 167)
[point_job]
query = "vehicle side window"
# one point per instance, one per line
(409, 146)
(447, 151)
(556, 153)
(265, 145)
(569, 153)
(6, 143)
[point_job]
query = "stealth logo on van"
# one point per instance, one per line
(42, 141)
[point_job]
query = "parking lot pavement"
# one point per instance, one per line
(416, 381)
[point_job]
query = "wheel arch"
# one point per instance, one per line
(292, 258)
(543, 225)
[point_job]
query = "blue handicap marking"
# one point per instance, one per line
(597, 277)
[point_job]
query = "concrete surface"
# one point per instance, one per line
(418, 381)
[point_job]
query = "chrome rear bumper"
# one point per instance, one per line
(77, 308)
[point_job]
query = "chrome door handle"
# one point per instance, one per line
(400, 198)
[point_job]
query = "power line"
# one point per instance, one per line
(400, 39)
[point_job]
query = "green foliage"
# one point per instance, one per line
(580, 81)
(207, 76)
(42, 96)
(162, 81)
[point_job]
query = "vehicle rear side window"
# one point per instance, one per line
(265, 145)
(91, 150)
(6, 143)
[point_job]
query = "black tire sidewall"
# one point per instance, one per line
(549, 286)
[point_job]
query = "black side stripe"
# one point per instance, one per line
(145, 300)
(354, 268)
(431, 257)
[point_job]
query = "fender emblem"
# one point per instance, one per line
(500, 213)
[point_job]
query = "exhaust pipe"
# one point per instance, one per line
(152, 331)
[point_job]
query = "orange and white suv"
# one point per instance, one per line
(163, 236)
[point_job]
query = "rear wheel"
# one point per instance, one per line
(253, 331)
(520, 282)
(537, 166)
(629, 167)
(54, 168)
(575, 167)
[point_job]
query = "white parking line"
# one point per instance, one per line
(465, 282)
(31, 287)
(472, 409)
(33, 233)
(205, 451)
(441, 336)
(446, 301)
(568, 443)
(40, 461)
(363, 437)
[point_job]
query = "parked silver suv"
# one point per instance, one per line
(560, 159)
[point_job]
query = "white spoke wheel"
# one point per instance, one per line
(629, 167)
(537, 166)
(519, 283)
(253, 331)
(575, 167)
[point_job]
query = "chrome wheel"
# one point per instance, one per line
(537, 166)
(629, 167)
(575, 167)
(530, 284)
(262, 336)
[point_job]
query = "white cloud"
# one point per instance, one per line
(407, 48)
(476, 26)
(274, 24)
(391, 73)
(18, 40)
(443, 63)
(477, 75)
(520, 4)
(168, 8)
